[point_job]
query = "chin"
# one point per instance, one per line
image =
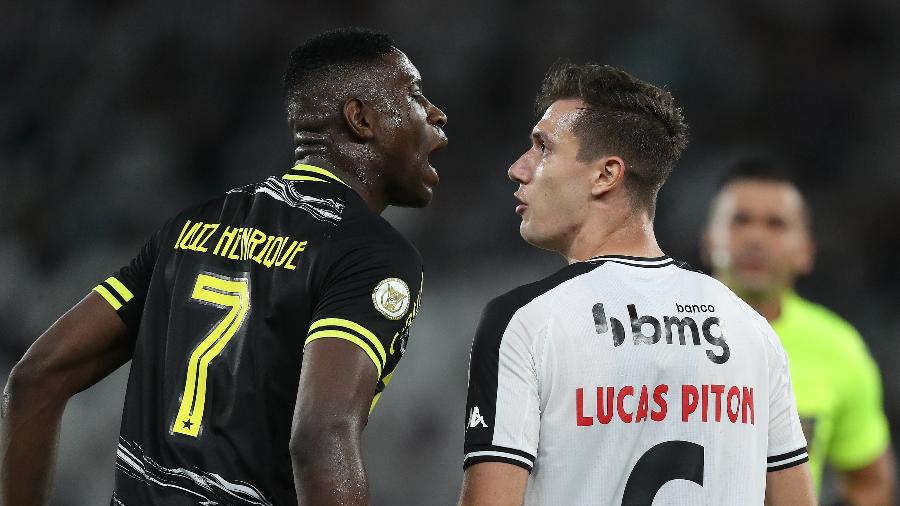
(415, 200)
(536, 240)
(753, 286)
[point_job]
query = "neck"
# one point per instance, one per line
(629, 235)
(355, 175)
(766, 304)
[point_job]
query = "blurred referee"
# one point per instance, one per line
(758, 242)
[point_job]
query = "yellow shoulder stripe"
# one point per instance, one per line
(119, 287)
(359, 329)
(374, 402)
(317, 170)
(337, 334)
(108, 296)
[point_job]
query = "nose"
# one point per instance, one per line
(520, 170)
(436, 116)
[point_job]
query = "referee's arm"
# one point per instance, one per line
(85, 345)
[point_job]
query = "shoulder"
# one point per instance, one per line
(749, 317)
(194, 216)
(823, 318)
(830, 329)
(361, 228)
(324, 201)
(500, 311)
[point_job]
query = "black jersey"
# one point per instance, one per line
(221, 302)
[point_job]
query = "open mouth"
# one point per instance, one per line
(432, 172)
(522, 206)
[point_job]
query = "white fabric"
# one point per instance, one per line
(553, 347)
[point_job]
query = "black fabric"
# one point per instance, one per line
(342, 251)
(485, 355)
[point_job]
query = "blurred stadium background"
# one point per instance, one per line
(118, 114)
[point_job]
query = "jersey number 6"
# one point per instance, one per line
(672, 460)
(232, 294)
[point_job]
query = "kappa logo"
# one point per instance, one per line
(391, 298)
(475, 418)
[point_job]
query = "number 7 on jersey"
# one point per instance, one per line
(232, 294)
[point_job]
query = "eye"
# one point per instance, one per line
(740, 219)
(777, 223)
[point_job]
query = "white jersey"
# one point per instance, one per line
(631, 381)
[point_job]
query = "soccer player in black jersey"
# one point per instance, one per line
(263, 324)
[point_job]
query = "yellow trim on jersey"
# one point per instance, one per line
(386, 380)
(119, 287)
(339, 334)
(295, 177)
(108, 296)
(340, 322)
(317, 170)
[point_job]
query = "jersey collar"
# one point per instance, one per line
(304, 172)
(634, 261)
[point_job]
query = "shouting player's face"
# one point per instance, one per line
(758, 239)
(413, 129)
(554, 186)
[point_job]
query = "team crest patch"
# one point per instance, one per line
(391, 298)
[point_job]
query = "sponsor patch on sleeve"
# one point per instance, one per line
(391, 298)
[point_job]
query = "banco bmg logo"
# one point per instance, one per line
(689, 329)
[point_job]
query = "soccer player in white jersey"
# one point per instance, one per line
(625, 378)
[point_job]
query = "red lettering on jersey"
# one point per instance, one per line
(704, 405)
(689, 398)
(738, 401)
(747, 405)
(620, 403)
(718, 390)
(604, 416)
(580, 419)
(733, 400)
(733, 393)
(659, 397)
(643, 405)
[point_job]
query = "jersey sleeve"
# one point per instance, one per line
(126, 289)
(787, 444)
(369, 297)
(503, 406)
(861, 431)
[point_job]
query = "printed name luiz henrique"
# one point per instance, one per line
(240, 243)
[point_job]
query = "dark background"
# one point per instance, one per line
(116, 115)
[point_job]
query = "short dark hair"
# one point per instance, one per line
(759, 168)
(767, 168)
(322, 71)
(625, 116)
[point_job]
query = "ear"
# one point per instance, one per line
(608, 174)
(706, 249)
(806, 258)
(360, 119)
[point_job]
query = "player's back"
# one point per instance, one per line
(222, 301)
(646, 380)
